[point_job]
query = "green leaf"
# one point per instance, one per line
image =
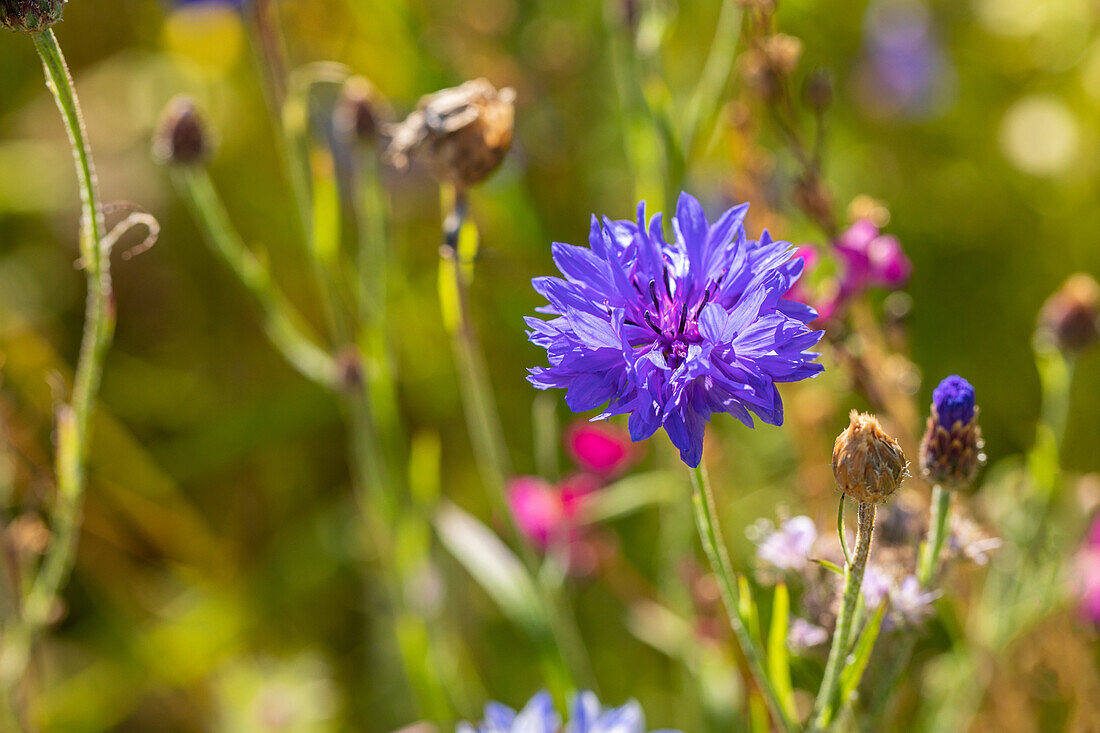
(778, 661)
(495, 568)
(840, 531)
(861, 655)
(746, 608)
(832, 566)
(632, 494)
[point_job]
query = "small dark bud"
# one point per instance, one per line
(362, 111)
(181, 137)
(1071, 316)
(951, 449)
(30, 16)
(818, 91)
(868, 464)
(463, 133)
(349, 367)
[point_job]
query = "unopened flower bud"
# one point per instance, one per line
(818, 91)
(1072, 315)
(951, 449)
(463, 132)
(362, 110)
(868, 464)
(181, 137)
(30, 16)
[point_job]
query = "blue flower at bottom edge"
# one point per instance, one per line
(672, 332)
(539, 716)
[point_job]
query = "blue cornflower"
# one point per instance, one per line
(539, 716)
(953, 401)
(671, 332)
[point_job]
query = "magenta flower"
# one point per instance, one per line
(870, 259)
(602, 449)
(547, 514)
(1087, 575)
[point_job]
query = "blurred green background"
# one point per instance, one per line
(218, 570)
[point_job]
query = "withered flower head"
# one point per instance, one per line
(30, 16)
(1072, 315)
(181, 136)
(818, 91)
(463, 133)
(868, 464)
(362, 110)
(951, 449)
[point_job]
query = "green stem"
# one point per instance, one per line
(281, 322)
(853, 580)
(73, 434)
(937, 535)
(706, 519)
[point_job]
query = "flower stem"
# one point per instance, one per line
(706, 519)
(73, 420)
(281, 322)
(937, 535)
(853, 580)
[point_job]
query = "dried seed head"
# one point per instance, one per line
(181, 137)
(868, 464)
(782, 52)
(463, 132)
(362, 110)
(1072, 315)
(30, 16)
(951, 449)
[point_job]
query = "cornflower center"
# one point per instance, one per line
(671, 318)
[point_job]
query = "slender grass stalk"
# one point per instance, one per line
(853, 580)
(73, 419)
(706, 519)
(937, 535)
(283, 325)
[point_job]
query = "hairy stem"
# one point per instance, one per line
(706, 519)
(853, 580)
(937, 535)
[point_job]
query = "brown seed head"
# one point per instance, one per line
(181, 137)
(951, 455)
(1072, 315)
(30, 16)
(782, 52)
(868, 464)
(463, 133)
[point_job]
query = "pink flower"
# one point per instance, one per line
(604, 449)
(548, 514)
(871, 259)
(1087, 574)
(809, 256)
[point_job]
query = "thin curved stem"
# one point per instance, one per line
(853, 580)
(706, 520)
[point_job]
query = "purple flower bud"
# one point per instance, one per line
(953, 401)
(951, 449)
(30, 16)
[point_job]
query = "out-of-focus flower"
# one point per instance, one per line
(818, 90)
(182, 136)
(909, 605)
(876, 587)
(30, 16)
(903, 70)
(1086, 574)
(871, 259)
(1071, 316)
(803, 635)
(294, 695)
(951, 449)
(463, 132)
(868, 464)
(602, 449)
(672, 332)
(539, 716)
(545, 513)
(789, 546)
